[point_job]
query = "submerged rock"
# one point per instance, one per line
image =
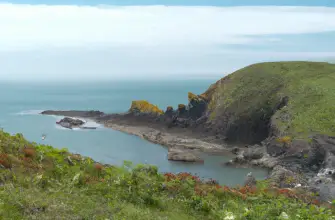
(177, 154)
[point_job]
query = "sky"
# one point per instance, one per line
(151, 39)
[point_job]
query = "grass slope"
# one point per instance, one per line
(250, 95)
(41, 182)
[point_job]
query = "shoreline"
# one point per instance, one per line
(186, 145)
(168, 138)
(152, 132)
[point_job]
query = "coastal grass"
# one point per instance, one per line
(42, 182)
(257, 89)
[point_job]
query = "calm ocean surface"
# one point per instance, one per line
(20, 104)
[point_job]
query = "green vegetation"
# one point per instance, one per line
(252, 93)
(41, 182)
(145, 107)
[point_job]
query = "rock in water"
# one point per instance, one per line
(182, 155)
(70, 123)
(250, 180)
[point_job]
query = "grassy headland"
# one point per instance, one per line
(41, 182)
(250, 98)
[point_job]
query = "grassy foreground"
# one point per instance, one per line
(41, 182)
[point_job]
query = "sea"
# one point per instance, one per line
(21, 104)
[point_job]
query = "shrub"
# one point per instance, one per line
(5, 161)
(145, 107)
(284, 140)
(29, 152)
(181, 106)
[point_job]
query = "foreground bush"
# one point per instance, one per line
(47, 183)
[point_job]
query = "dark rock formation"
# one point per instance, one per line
(70, 123)
(275, 148)
(182, 112)
(169, 111)
(196, 106)
(80, 114)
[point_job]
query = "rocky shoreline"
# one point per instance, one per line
(296, 165)
(181, 146)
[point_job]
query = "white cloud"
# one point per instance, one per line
(41, 42)
(30, 26)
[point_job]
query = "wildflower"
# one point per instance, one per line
(229, 216)
(118, 181)
(283, 215)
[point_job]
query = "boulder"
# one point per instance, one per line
(184, 155)
(284, 178)
(324, 187)
(317, 153)
(254, 153)
(326, 192)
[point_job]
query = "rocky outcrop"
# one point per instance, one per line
(197, 106)
(79, 114)
(70, 123)
(141, 107)
(298, 162)
(285, 178)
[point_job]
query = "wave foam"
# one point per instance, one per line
(91, 123)
(88, 123)
(29, 112)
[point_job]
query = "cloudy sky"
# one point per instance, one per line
(147, 39)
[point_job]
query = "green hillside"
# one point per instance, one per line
(246, 101)
(41, 182)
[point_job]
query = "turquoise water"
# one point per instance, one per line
(20, 104)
